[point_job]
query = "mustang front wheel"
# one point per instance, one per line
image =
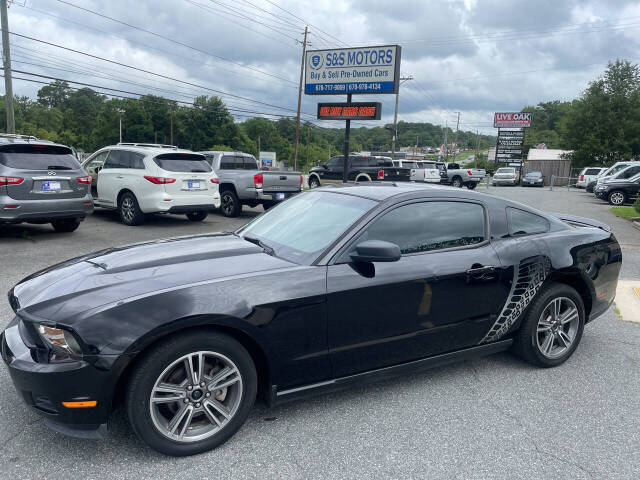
(191, 393)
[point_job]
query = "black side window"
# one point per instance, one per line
(630, 172)
(250, 163)
(525, 223)
(427, 226)
(592, 171)
(334, 162)
(358, 162)
(228, 162)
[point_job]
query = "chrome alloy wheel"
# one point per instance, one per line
(128, 209)
(557, 327)
(228, 203)
(195, 396)
(617, 198)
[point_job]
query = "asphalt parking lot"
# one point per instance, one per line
(494, 417)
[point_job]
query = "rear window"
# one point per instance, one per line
(182, 162)
(38, 157)
(592, 171)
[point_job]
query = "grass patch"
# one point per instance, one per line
(624, 212)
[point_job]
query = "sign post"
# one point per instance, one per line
(511, 127)
(362, 70)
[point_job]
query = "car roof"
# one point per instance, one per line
(381, 191)
(146, 149)
(237, 154)
(10, 139)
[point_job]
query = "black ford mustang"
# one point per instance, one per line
(337, 285)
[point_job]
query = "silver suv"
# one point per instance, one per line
(42, 182)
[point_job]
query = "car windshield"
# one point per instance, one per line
(299, 229)
(533, 174)
(506, 170)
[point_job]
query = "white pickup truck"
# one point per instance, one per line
(455, 176)
(420, 171)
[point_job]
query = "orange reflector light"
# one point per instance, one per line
(80, 404)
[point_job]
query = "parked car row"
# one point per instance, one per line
(619, 184)
(42, 182)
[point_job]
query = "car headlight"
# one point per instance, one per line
(62, 344)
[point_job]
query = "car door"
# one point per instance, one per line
(107, 181)
(333, 172)
(442, 295)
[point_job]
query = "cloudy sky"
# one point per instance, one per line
(468, 56)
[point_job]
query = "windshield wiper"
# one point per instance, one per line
(267, 249)
(58, 167)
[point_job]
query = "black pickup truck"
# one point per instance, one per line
(360, 169)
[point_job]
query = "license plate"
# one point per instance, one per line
(49, 186)
(193, 185)
(279, 196)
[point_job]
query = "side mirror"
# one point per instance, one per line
(325, 166)
(376, 251)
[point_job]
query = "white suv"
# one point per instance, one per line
(138, 179)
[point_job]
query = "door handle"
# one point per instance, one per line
(480, 270)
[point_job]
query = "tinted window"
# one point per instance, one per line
(250, 163)
(135, 160)
(360, 162)
(182, 162)
(228, 162)
(406, 164)
(592, 171)
(629, 172)
(427, 226)
(525, 223)
(98, 160)
(335, 162)
(533, 175)
(384, 162)
(38, 157)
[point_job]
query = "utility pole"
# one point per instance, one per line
(477, 146)
(446, 146)
(307, 164)
(6, 60)
(259, 151)
(295, 148)
(457, 126)
(395, 118)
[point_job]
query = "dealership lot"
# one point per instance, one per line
(489, 418)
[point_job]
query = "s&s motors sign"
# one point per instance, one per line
(511, 120)
(352, 70)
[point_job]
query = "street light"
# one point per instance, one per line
(120, 111)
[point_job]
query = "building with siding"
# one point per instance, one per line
(550, 162)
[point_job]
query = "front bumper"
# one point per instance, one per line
(531, 184)
(504, 181)
(43, 211)
(601, 194)
(44, 386)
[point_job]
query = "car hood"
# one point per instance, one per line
(107, 277)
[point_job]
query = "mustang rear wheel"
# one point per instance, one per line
(191, 393)
(552, 327)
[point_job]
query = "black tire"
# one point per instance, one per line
(66, 225)
(617, 198)
(471, 185)
(527, 337)
(314, 182)
(152, 365)
(229, 204)
(197, 216)
(456, 182)
(129, 210)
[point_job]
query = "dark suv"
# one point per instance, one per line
(361, 168)
(619, 191)
(42, 182)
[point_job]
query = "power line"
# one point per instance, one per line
(174, 41)
(164, 52)
(220, 92)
